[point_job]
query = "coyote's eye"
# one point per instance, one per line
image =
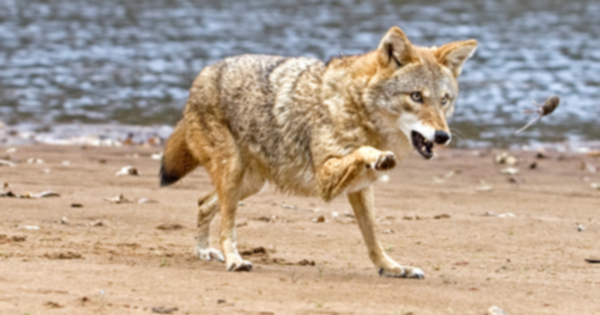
(416, 96)
(445, 100)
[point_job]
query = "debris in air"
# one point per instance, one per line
(542, 110)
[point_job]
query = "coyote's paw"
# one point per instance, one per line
(239, 265)
(386, 161)
(209, 254)
(402, 272)
(378, 160)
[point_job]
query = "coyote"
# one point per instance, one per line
(313, 129)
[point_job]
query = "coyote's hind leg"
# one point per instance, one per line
(208, 206)
(229, 185)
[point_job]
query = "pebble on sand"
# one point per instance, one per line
(320, 219)
(118, 199)
(495, 310)
(505, 158)
(510, 171)
(164, 310)
(128, 170)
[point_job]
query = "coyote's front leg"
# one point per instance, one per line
(363, 204)
(341, 174)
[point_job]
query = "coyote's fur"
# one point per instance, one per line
(313, 129)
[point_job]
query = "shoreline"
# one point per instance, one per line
(116, 135)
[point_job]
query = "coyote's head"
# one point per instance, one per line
(415, 87)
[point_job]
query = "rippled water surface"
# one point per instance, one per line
(131, 62)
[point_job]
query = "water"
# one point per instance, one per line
(127, 62)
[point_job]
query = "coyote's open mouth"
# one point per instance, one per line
(422, 145)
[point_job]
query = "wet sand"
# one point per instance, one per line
(112, 259)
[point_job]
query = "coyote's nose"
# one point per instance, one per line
(441, 137)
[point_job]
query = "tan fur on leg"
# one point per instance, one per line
(227, 173)
(229, 190)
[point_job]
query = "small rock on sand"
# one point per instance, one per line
(484, 188)
(29, 227)
(18, 238)
(6, 163)
(97, 223)
(510, 171)
(164, 310)
(44, 194)
(53, 304)
(505, 158)
(541, 154)
(495, 310)
(515, 180)
(320, 219)
(169, 227)
(286, 206)
(29, 195)
(65, 255)
(35, 161)
(254, 251)
(128, 170)
(118, 199)
(306, 262)
(146, 200)
(500, 215)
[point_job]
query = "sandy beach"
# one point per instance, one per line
(481, 238)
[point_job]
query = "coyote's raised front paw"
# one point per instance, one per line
(402, 272)
(386, 161)
(378, 160)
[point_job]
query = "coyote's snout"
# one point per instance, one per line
(313, 129)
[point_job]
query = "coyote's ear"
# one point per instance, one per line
(395, 50)
(454, 54)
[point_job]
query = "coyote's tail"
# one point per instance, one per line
(177, 159)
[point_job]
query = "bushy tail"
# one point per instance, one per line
(177, 159)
